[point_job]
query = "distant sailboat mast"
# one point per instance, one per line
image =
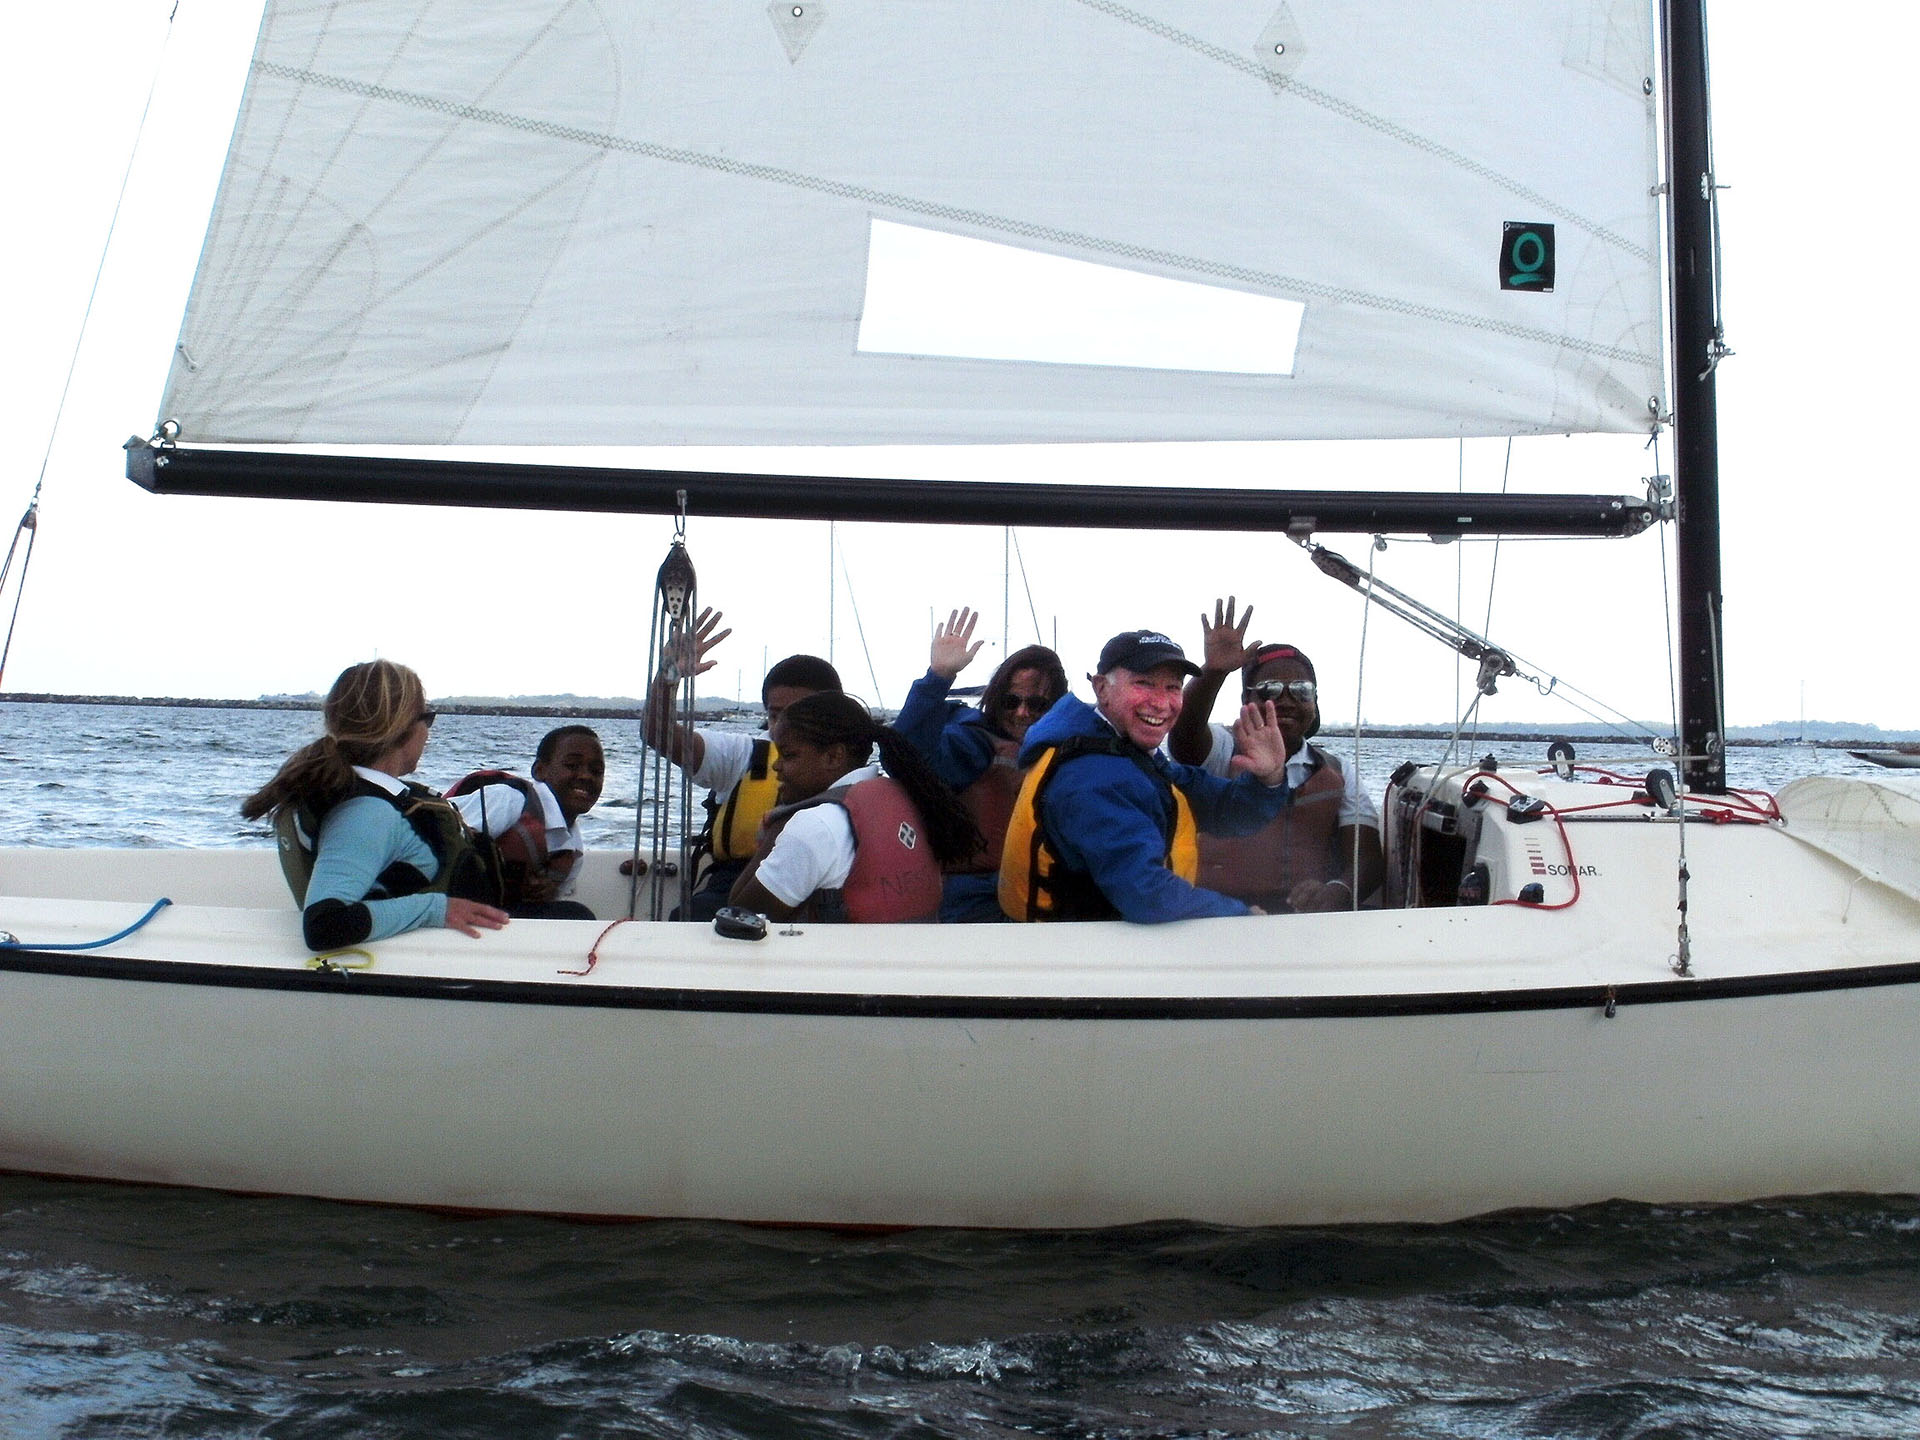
(1006, 591)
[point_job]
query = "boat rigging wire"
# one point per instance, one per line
(1460, 559)
(1683, 939)
(1496, 662)
(1009, 557)
(1026, 583)
(859, 626)
(30, 521)
(1717, 347)
(1359, 696)
(1493, 568)
(30, 527)
(1682, 958)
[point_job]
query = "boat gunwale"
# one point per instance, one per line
(878, 1006)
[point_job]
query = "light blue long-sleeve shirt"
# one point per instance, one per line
(359, 839)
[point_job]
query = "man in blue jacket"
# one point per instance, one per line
(1105, 823)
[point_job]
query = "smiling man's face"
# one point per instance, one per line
(1141, 704)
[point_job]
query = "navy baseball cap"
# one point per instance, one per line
(1142, 650)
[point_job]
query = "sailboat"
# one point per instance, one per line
(1907, 758)
(502, 224)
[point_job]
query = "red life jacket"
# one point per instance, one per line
(894, 878)
(1262, 868)
(990, 800)
(522, 846)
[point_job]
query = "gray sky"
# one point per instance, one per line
(134, 594)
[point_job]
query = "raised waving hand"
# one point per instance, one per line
(1224, 646)
(953, 644)
(687, 650)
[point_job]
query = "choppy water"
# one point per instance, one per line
(136, 775)
(154, 1312)
(146, 1312)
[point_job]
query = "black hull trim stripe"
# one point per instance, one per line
(957, 1007)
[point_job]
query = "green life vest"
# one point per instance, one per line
(469, 863)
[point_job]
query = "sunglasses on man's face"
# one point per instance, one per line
(1305, 691)
(427, 717)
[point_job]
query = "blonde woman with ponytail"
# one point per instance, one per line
(368, 854)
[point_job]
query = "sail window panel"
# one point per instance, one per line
(934, 294)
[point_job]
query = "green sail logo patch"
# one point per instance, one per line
(1526, 256)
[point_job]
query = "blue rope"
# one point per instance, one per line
(158, 906)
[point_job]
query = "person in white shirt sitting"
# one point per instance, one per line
(535, 823)
(848, 842)
(734, 768)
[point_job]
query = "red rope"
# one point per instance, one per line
(593, 955)
(1573, 869)
(1754, 807)
(1746, 807)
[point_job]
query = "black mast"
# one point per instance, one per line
(1696, 348)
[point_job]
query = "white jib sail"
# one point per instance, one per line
(863, 221)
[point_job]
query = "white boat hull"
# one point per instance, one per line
(1392, 1065)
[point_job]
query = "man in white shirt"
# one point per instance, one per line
(1323, 853)
(734, 768)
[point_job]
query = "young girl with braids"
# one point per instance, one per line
(846, 842)
(368, 855)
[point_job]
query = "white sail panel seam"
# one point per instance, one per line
(1265, 281)
(1347, 110)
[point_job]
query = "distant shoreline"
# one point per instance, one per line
(599, 709)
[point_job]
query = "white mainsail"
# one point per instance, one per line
(556, 221)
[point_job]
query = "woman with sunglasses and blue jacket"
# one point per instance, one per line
(367, 853)
(976, 751)
(1323, 851)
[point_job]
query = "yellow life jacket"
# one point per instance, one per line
(1036, 885)
(733, 824)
